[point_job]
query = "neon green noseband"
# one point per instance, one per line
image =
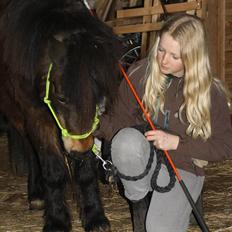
(64, 131)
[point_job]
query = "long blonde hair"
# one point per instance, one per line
(189, 32)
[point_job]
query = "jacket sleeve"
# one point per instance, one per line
(219, 146)
(123, 111)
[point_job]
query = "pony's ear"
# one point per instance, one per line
(57, 51)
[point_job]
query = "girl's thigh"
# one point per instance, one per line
(170, 212)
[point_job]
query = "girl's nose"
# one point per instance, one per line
(165, 58)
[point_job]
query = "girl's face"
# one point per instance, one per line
(169, 57)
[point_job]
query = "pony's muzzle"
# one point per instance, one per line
(76, 145)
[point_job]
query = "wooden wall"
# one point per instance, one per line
(228, 42)
(215, 27)
(219, 26)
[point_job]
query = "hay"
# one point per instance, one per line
(15, 216)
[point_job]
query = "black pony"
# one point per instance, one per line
(55, 51)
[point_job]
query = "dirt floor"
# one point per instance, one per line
(15, 216)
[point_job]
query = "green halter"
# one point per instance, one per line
(64, 131)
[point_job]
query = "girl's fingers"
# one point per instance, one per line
(150, 138)
(150, 133)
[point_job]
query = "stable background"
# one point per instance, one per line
(129, 16)
(16, 217)
(143, 18)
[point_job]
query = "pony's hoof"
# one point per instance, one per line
(36, 204)
(101, 225)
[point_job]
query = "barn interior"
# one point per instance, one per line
(137, 22)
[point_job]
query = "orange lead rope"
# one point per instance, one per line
(148, 119)
(197, 214)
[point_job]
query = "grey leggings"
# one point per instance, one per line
(168, 212)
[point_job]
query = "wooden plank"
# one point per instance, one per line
(123, 22)
(228, 81)
(155, 18)
(228, 59)
(100, 8)
(228, 43)
(229, 71)
(201, 11)
(228, 25)
(228, 12)
(221, 38)
(144, 38)
(212, 31)
(171, 8)
(107, 9)
(137, 28)
(191, 11)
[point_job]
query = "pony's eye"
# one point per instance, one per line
(61, 99)
(57, 94)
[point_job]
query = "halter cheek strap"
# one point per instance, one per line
(64, 131)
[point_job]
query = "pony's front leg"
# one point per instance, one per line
(46, 142)
(91, 211)
(56, 215)
(35, 185)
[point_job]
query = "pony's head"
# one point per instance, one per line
(61, 42)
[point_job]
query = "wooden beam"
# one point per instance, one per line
(171, 8)
(144, 38)
(124, 22)
(103, 8)
(221, 38)
(137, 28)
(203, 9)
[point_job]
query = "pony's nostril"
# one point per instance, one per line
(75, 145)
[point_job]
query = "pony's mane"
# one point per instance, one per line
(91, 66)
(27, 25)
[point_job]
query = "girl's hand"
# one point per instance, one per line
(163, 140)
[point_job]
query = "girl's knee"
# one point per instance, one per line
(128, 144)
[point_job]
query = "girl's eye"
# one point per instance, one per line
(160, 49)
(175, 57)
